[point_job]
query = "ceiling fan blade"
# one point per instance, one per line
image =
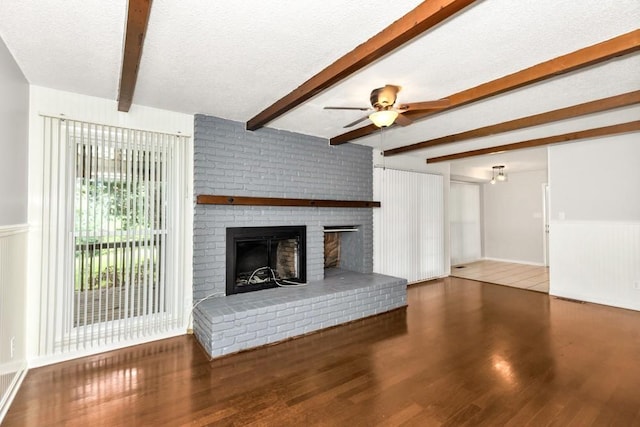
(403, 120)
(361, 119)
(348, 108)
(426, 105)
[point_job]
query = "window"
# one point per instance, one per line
(113, 223)
(119, 229)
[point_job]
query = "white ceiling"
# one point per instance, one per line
(233, 59)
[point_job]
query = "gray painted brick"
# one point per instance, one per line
(219, 339)
(273, 163)
(278, 321)
(228, 160)
(246, 337)
(225, 342)
(234, 331)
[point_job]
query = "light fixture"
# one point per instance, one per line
(497, 174)
(383, 118)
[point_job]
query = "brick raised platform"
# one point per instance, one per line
(229, 324)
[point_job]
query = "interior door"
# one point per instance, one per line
(545, 231)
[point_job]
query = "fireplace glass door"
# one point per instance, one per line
(264, 257)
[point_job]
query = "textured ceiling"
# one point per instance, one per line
(233, 59)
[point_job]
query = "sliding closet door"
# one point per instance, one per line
(408, 228)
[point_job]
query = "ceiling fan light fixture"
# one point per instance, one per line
(383, 118)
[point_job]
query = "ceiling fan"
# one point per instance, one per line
(384, 113)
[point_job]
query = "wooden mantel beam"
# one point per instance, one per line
(600, 52)
(210, 199)
(137, 20)
(425, 16)
(566, 137)
(604, 104)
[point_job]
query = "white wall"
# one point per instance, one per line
(14, 109)
(14, 125)
(96, 110)
(465, 220)
(595, 220)
(513, 218)
(596, 180)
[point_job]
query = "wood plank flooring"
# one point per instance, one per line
(462, 353)
(523, 276)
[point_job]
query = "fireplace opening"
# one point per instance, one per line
(335, 238)
(331, 250)
(262, 257)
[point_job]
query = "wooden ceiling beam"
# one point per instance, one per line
(425, 16)
(572, 136)
(604, 104)
(137, 21)
(600, 52)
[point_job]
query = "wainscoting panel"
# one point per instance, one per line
(13, 251)
(596, 261)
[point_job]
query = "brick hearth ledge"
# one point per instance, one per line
(226, 325)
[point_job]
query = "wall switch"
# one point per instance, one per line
(636, 285)
(12, 346)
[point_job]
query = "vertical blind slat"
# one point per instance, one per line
(408, 228)
(106, 227)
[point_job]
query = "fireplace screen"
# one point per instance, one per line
(264, 257)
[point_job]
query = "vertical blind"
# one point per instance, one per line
(408, 228)
(464, 217)
(112, 226)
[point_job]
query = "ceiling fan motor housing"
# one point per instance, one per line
(384, 97)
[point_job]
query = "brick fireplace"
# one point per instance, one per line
(228, 160)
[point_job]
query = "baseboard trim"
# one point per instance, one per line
(614, 303)
(9, 230)
(40, 361)
(8, 397)
(515, 261)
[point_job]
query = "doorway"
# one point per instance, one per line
(465, 225)
(545, 215)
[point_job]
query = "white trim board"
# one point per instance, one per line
(8, 397)
(513, 261)
(9, 230)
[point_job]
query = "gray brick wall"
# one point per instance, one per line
(239, 322)
(228, 160)
(274, 163)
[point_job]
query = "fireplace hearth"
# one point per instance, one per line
(265, 257)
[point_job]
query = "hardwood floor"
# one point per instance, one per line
(523, 276)
(462, 353)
